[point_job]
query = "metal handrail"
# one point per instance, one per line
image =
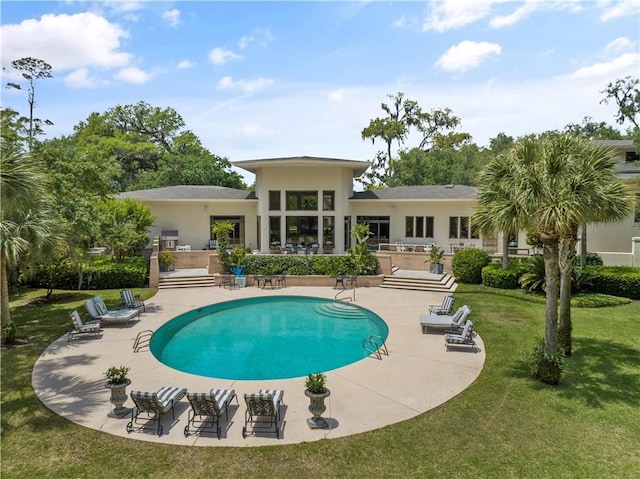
(143, 339)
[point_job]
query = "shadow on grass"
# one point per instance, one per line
(600, 372)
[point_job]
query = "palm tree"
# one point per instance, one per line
(27, 226)
(597, 196)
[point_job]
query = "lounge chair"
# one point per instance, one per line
(130, 301)
(443, 322)
(153, 405)
(206, 409)
(90, 327)
(97, 310)
(464, 338)
(263, 411)
(445, 308)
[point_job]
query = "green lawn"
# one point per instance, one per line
(504, 425)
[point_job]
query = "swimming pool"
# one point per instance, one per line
(277, 337)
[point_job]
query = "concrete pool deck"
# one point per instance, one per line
(417, 375)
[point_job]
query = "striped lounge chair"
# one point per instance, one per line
(153, 405)
(130, 301)
(445, 323)
(90, 327)
(445, 308)
(97, 309)
(206, 409)
(263, 412)
(462, 339)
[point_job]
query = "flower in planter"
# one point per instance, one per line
(117, 375)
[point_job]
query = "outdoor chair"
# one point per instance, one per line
(463, 338)
(97, 310)
(442, 322)
(228, 280)
(153, 405)
(445, 308)
(281, 280)
(206, 409)
(130, 301)
(90, 327)
(263, 412)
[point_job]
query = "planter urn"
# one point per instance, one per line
(118, 398)
(317, 407)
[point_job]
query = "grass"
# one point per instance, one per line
(504, 425)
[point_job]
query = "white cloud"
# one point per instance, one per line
(621, 43)
(451, 14)
(519, 14)
(186, 64)
(261, 36)
(337, 96)
(245, 41)
(81, 78)
(220, 56)
(606, 71)
(467, 55)
(616, 9)
(247, 86)
(66, 41)
(133, 75)
(172, 17)
(254, 130)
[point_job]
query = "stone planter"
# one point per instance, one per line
(436, 268)
(317, 407)
(118, 398)
(241, 281)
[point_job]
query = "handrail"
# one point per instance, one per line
(367, 343)
(381, 346)
(143, 339)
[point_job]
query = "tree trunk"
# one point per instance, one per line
(505, 250)
(551, 268)
(583, 246)
(4, 296)
(566, 262)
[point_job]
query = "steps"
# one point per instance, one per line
(186, 281)
(339, 310)
(442, 283)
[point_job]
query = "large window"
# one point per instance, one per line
(419, 226)
(274, 200)
(379, 227)
(302, 200)
(302, 230)
(461, 228)
(236, 238)
(274, 231)
(328, 230)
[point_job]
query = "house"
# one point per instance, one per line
(308, 204)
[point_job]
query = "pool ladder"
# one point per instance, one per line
(142, 340)
(375, 345)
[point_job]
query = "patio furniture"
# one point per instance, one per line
(441, 322)
(206, 409)
(445, 308)
(153, 405)
(130, 301)
(90, 327)
(97, 310)
(263, 412)
(465, 338)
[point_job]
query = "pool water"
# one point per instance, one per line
(277, 337)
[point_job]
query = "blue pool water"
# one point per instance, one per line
(267, 338)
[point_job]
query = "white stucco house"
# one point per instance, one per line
(309, 204)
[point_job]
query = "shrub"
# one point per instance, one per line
(546, 367)
(533, 278)
(593, 259)
(494, 276)
(623, 281)
(468, 263)
(294, 264)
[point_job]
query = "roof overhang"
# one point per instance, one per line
(358, 167)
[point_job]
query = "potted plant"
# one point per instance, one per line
(117, 382)
(167, 260)
(237, 261)
(317, 391)
(435, 256)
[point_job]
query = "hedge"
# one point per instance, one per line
(467, 265)
(100, 273)
(301, 265)
(622, 281)
(494, 276)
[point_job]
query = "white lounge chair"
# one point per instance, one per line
(97, 310)
(154, 405)
(206, 409)
(263, 411)
(443, 322)
(445, 308)
(90, 327)
(462, 339)
(129, 301)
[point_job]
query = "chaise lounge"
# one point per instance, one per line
(129, 300)
(90, 327)
(445, 308)
(263, 411)
(206, 409)
(97, 310)
(462, 339)
(153, 405)
(440, 322)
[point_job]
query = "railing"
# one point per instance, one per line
(375, 345)
(142, 340)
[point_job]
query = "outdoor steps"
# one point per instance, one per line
(186, 281)
(339, 310)
(444, 283)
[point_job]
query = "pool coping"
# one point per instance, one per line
(366, 395)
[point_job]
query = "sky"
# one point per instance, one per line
(276, 79)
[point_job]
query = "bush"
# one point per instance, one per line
(494, 276)
(623, 281)
(99, 273)
(593, 259)
(298, 265)
(468, 263)
(546, 367)
(533, 278)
